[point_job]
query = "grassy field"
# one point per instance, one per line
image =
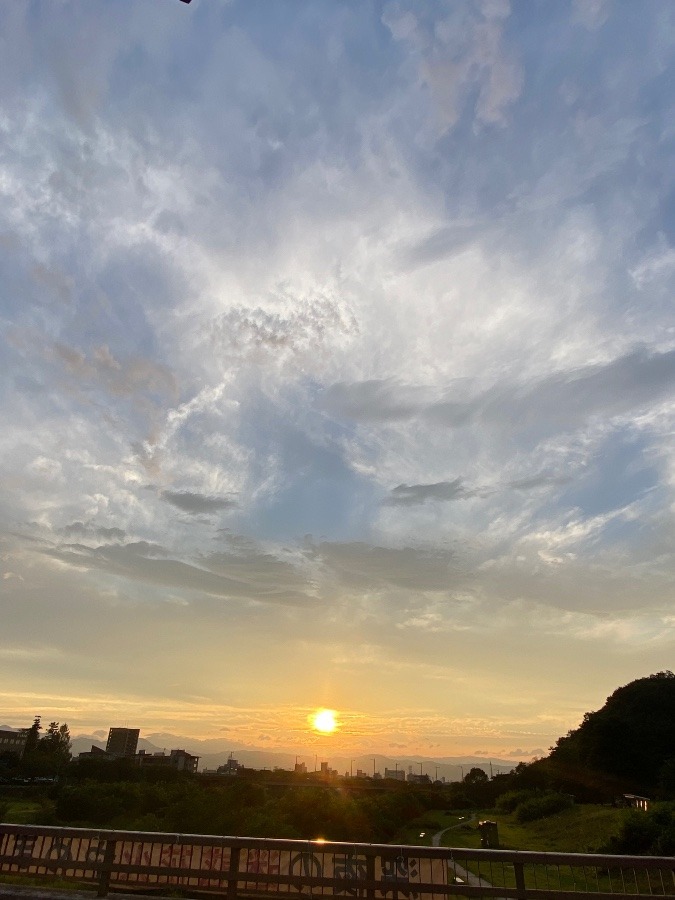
(581, 829)
(21, 811)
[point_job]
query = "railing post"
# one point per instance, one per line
(106, 868)
(370, 875)
(519, 872)
(233, 875)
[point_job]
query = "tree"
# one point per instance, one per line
(50, 754)
(475, 776)
(33, 737)
(56, 741)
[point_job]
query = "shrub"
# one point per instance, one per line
(511, 799)
(649, 833)
(542, 806)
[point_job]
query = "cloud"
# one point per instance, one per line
(519, 753)
(82, 529)
(218, 576)
(478, 70)
(543, 479)
(197, 503)
(364, 565)
(592, 14)
(557, 402)
(122, 377)
(376, 400)
(411, 494)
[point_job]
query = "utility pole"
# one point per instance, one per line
(490, 770)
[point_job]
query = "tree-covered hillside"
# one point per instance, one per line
(629, 743)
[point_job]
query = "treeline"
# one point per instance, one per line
(238, 806)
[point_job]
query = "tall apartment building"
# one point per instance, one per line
(122, 741)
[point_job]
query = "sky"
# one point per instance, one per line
(338, 364)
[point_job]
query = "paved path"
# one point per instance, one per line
(460, 872)
(436, 839)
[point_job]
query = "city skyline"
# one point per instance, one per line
(338, 367)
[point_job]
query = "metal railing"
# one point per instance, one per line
(233, 867)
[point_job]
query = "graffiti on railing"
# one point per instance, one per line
(308, 870)
(399, 872)
(350, 868)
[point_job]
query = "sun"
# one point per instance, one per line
(324, 720)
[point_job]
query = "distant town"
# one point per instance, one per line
(122, 743)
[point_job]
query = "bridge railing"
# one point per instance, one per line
(240, 867)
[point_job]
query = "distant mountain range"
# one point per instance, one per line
(215, 752)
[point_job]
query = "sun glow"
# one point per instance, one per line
(324, 720)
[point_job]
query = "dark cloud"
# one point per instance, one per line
(197, 503)
(85, 529)
(146, 549)
(568, 399)
(562, 401)
(110, 534)
(412, 494)
(150, 563)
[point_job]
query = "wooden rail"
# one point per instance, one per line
(239, 867)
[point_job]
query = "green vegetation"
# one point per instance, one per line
(651, 833)
(579, 829)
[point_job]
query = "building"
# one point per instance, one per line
(13, 741)
(94, 753)
(396, 774)
(177, 759)
(122, 742)
(415, 778)
(636, 802)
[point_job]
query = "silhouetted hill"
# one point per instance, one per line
(629, 743)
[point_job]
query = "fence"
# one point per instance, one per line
(234, 867)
